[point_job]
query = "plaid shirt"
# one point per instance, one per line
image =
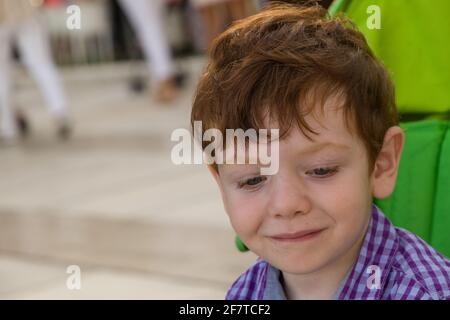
(409, 269)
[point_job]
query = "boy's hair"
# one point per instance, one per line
(281, 61)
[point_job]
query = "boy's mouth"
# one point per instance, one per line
(297, 236)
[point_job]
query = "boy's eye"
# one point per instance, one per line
(324, 172)
(252, 181)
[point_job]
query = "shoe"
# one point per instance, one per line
(180, 79)
(22, 124)
(166, 91)
(64, 129)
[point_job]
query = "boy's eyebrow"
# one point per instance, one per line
(324, 145)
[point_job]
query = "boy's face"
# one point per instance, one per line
(322, 186)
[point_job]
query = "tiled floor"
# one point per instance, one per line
(110, 200)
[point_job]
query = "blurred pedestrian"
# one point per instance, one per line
(147, 19)
(20, 22)
(215, 12)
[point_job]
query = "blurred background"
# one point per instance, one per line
(86, 176)
(87, 108)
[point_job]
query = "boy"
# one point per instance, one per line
(313, 223)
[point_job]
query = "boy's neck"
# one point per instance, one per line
(323, 283)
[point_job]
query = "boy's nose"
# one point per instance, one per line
(288, 198)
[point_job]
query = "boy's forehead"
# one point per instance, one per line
(327, 120)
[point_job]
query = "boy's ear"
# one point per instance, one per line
(384, 175)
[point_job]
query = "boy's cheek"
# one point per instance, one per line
(243, 227)
(245, 217)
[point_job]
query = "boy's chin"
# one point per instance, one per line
(299, 264)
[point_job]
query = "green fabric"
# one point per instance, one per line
(413, 44)
(336, 7)
(420, 202)
(440, 228)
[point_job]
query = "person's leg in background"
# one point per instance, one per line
(213, 18)
(217, 14)
(239, 9)
(33, 43)
(7, 125)
(146, 17)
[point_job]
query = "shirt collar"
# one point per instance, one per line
(369, 274)
(273, 290)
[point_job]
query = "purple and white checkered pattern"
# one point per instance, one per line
(410, 268)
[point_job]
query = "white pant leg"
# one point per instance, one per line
(33, 44)
(146, 17)
(7, 124)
